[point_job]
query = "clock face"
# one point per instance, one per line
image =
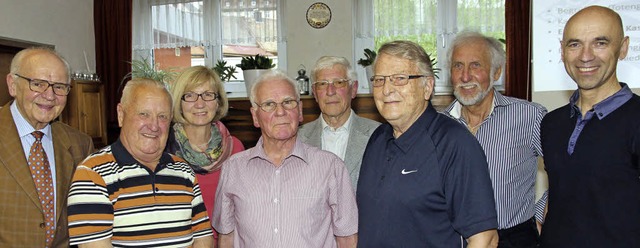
(318, 15)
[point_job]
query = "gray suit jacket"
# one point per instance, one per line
(20, 209)
(361, 130)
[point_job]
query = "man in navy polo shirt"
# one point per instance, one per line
(592, 144)
(424, 180)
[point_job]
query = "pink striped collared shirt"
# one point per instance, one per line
(305, 202)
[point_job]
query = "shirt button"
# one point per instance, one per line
(277, 172)
(42, 225)
(275, 200)
(275, 230)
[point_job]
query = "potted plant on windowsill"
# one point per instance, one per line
(224, 71)
(254, 66)
(366, 62)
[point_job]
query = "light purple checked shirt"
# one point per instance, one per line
(305, 202)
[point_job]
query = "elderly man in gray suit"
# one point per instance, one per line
(338, 129)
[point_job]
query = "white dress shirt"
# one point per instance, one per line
(335, 139)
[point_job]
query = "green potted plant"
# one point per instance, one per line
(366, 62)
(224, 71)
(254, 66)
(433, 66)
(143, 68)
(369, 57)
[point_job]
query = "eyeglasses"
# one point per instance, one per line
(193, 97)
(39, 85)
(396, 79)
(270, 106)
(338, 83)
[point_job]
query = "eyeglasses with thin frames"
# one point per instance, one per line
(270, 106)
(338, 83)
(40, 85)
(193, 97)
(396, 79)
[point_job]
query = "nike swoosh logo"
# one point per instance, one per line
(404, 171)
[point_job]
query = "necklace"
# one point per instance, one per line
(474, 129)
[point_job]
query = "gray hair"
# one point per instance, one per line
(272, 75)
(496, 50)
(411, 51)
(135, 83)
(328, 62)
(16, 62)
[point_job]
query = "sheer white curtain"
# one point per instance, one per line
(419, 19)
(431, 23)
(211, 24)
(364, 38)
(249, 21)
(169, 24)
(404, 18)
(485, 16)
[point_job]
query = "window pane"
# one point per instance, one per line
(433, 24)
(182, 32)
(249, 27)
(414, 20)
(178, 24)
(490, 12)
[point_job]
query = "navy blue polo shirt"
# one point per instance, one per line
(428, 188)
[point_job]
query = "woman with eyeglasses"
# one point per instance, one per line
(197, 135)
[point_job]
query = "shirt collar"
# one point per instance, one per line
(604, 107)
(123, 157)
(257, 152)
(346, 126)
(23, 126)
(417, 129)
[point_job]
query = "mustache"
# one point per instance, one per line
(468, 84)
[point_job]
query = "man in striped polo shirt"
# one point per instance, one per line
(131, 193)
(507, 128)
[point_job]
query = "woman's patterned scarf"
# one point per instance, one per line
(219, 149)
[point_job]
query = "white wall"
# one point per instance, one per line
(66, 24)
(306, 44)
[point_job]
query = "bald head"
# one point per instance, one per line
(599, 14)
(592, 44)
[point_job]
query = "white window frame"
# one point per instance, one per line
(213, 52)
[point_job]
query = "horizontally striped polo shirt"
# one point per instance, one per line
(114, 196)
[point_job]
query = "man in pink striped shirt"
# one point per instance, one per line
(282, 192)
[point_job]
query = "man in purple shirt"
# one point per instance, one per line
(592, 145)
(282, 192)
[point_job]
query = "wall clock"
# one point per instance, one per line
(318, 15)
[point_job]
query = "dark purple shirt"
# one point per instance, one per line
(601, 110)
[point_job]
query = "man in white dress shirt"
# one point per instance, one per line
(338, 129)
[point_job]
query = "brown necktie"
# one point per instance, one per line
(41, 174)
